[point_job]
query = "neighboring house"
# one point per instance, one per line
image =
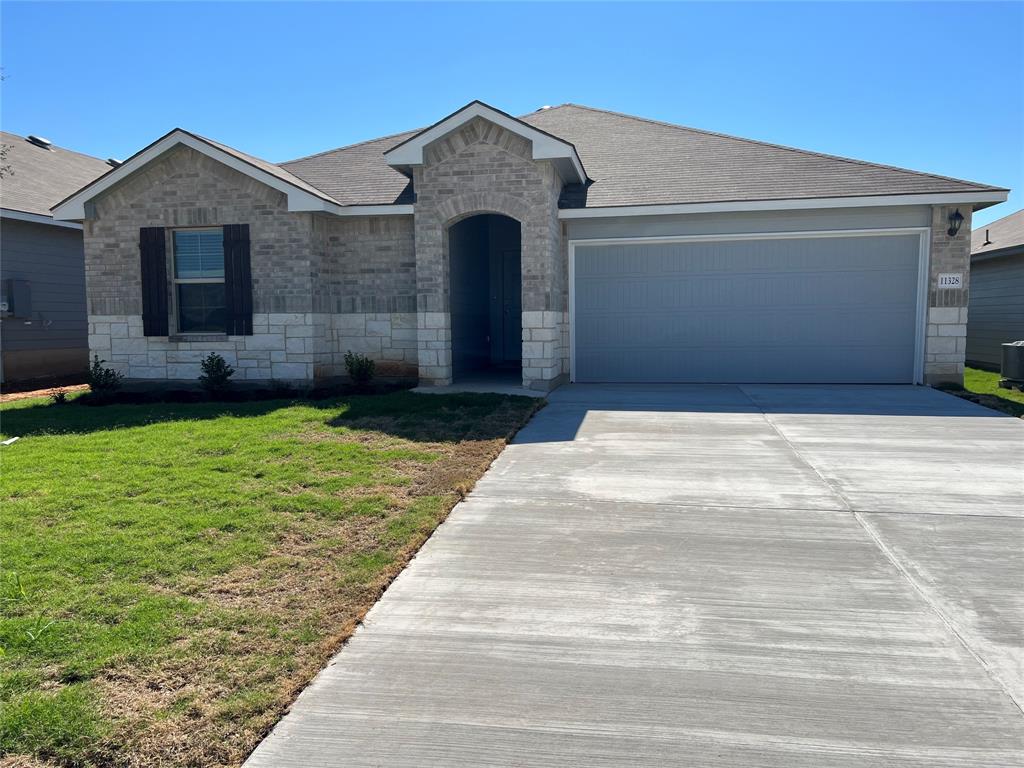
(996, 313)
(571, 243)
(42, 263)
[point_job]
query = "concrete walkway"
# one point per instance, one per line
(802, 577)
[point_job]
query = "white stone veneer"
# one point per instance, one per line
(292, 347)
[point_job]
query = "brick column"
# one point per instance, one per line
(946, 336)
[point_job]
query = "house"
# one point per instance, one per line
(42, 261)
(996, 307)
(569, 244)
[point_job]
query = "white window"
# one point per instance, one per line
(199, 280)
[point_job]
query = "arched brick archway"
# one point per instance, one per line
(484, 265)
(487, 178)
(458, 207)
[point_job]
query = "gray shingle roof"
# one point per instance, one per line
(357, 174)
(41, 177)
(635, 161)
(1007, 232)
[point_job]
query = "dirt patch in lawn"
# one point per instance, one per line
(10, 397)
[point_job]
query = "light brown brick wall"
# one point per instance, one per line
(366, 264)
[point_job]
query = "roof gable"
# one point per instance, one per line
(545, 146)
(302, 196)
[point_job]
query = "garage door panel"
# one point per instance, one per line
(877, 288)
(801, 328)
(781, 310)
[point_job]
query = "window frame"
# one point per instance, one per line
(176, 281)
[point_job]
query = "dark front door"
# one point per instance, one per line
(510, 334)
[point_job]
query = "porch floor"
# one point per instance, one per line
(496, 382)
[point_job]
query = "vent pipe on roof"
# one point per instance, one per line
(987, 241)
(39, 141)
(113, 162)
(546, 106)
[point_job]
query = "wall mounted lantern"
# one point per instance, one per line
(955, 220)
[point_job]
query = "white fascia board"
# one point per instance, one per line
(73, 209)
(545, 147)
(963, 198)
(37, 218)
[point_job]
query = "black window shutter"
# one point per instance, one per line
(153, 251)
(237, 280)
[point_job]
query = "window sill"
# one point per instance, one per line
(179, 337)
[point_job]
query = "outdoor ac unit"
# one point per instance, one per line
(1013, 365)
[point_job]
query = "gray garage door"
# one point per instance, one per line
(814, 310)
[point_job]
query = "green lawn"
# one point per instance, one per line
(986, 384)
(172, 575)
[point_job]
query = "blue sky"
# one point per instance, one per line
(934, 87)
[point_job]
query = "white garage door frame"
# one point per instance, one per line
(923, 234)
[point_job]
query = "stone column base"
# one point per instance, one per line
(542, 350)
(434, 348)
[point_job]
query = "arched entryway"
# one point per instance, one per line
(485, 297)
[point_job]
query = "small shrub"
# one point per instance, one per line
(216, 376)
(58, 396)
(360, 368)
(103, 381)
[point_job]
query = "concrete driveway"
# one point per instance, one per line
(704, 576)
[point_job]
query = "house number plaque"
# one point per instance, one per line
(951, 279)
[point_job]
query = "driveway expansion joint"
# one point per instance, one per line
(934, 605)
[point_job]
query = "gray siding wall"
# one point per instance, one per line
(51, 259)
(996, 307)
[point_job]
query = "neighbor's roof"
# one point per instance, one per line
(635, 161)
(1007, 232)
(40, 177)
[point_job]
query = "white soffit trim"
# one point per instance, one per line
(545, 146)
(73, 209)
(37, 218)
(867, 201)
(373, 210)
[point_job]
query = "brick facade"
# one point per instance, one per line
(185, 188)
(321, 285)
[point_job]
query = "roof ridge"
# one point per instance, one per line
(57, 146)
(348, 146)
(779, 146)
